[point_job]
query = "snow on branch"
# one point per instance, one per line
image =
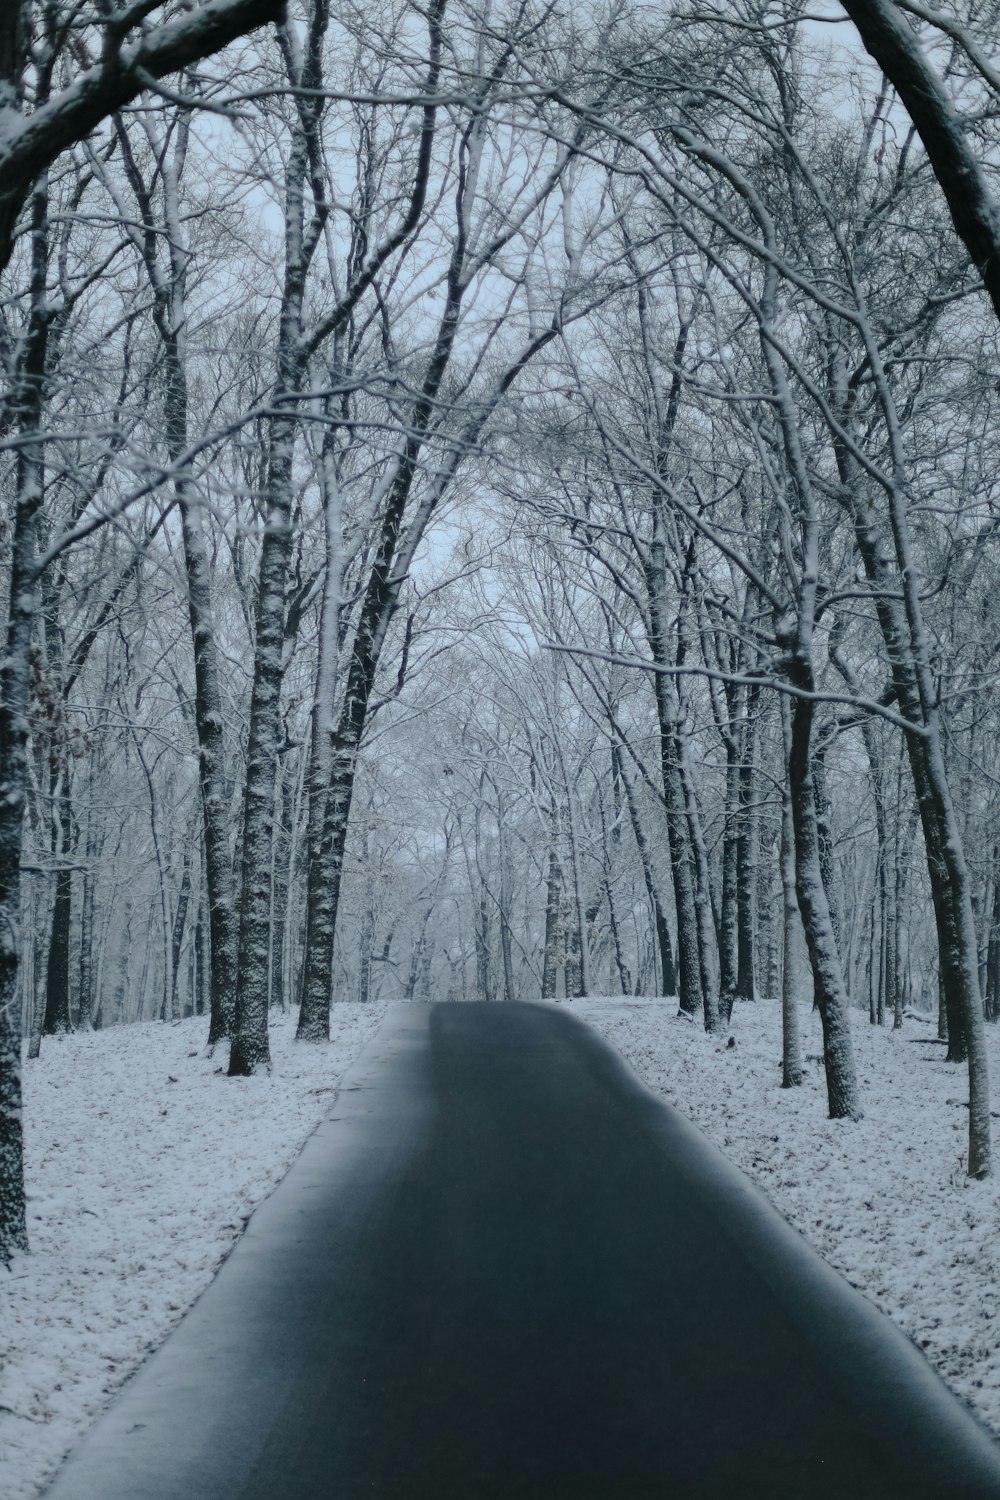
(743, 679)
(29, 143)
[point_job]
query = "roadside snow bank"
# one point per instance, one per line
(142, 1168)
(885, 1200)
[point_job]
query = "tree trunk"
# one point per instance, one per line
(551, 950)
(250, 1050)
(282, 854)
(946, 866)
(209, 719)
(177, 935)
(831, 997)
(200, 965)
(667, 972)
(746, 866)
(506, 900)
(57, 1016)
(29, 484)
(791, 1050)
(209, 711)
(729, 911)
(824, 830)
(85, 1008)
(683, 871)
(705, 926)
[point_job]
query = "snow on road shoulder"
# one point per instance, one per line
(142, 1168)
(885, 1200)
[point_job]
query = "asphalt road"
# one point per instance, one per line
(502, 1269)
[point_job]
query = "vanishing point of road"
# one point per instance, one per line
(502, 1270)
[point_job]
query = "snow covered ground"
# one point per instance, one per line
(885, 1200)
(143, 1166)
(142, 1169)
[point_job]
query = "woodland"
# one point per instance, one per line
(498, 500)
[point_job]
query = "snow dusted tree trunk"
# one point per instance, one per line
(891, 40)
(899, 610)
(336, 751)
(506, 898)
(822, 742)
(703, 879)
(86, 970)
(691, 960)
(199, 984)
(209, 717)
(250, 1049)
(219, 884)
(571, 948)
(56, 1020)
(991, 988)
(484, 970)
(320, 913)
(610, 848)
(791, 1050)
(746, 844)
(729, 907)
(282, 869)
(552, 945)
(366, 935)
(831, 996)
(667, 974)
(901, 941)
(177, 935)
(155, 236)
(843, 1097)
(739, 874)
(682, 861)
(883, 943)
(946, 865)
(578, 936)
(26, 403)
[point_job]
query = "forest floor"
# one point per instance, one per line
(142, 1168)
(885, 1200)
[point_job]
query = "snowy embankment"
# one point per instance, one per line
(142, 1168)
(885, 1200)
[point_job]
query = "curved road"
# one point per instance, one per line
(503, 1269)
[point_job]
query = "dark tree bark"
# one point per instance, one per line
(26, 403)
(57, 1009)
(157, 235)
(831, 997)
(551, 948)
(506, 899)
(791, 1050)
(85, 971)
(729, 908)
(177, 936)
(250, 1050)
(746, 844)
(664, 948)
